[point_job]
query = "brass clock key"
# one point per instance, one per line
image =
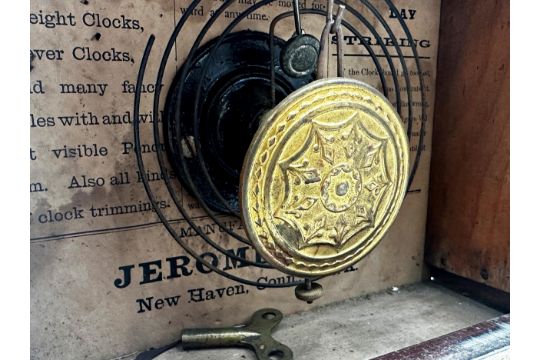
(255, 335)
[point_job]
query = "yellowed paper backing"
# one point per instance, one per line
(107, 279)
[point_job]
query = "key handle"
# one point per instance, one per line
(255, 335)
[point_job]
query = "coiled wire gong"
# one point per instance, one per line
(402, 96)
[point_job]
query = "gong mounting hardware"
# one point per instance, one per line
(255, 335)
(299, 57)
(300, 54)
(332, 27)
(211, 118)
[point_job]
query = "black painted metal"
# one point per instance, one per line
(234, 92)
(299, 56)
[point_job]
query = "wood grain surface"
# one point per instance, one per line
(468, 229)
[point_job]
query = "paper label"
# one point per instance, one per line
(107, 279)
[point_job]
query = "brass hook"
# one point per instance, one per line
(333, 26)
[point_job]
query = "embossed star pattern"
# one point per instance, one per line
(335, 182)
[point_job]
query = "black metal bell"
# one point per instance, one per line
(208, 135)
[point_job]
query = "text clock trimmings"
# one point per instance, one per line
(324, 177)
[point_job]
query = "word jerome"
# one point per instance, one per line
(179, 266)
